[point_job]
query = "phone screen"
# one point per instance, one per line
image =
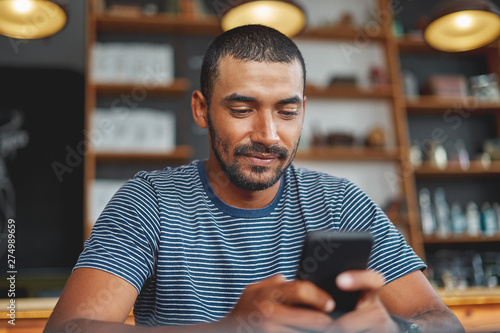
(326, 254)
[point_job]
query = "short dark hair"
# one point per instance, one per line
(249, 43)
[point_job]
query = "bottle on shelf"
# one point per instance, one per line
(442, 210)
(437, 156)
(473, 219)
(426, 214)
(416, 157)
(496, 208)
(477, 266)
(488, 220)
(462, 154)
(458, 221)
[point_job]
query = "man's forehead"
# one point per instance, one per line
(230, 59)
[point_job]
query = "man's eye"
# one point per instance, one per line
(289, 114)
(240, 112)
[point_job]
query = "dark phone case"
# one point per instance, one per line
(328, 253)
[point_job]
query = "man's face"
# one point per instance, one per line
(255, 120)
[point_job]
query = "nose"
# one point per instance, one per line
(264, 129)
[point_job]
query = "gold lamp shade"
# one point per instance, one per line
(463, 25)
(30, 19)
(285, 16)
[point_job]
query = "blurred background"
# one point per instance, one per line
(416, 128)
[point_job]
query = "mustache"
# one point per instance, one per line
(280, 152)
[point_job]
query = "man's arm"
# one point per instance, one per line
(413, 298)
(91, 295)
(97, 301)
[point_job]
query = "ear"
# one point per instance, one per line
(304, 109)
(199, 108)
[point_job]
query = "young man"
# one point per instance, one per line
(213, 246)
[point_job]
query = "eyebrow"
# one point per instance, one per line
(239, 98)
(291, 100)
(235, 97)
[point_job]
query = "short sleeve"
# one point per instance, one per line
(124, 239)
(391, 255)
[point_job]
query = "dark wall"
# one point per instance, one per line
(44, 80)
(49, 204)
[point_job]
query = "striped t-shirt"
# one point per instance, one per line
(190, 255)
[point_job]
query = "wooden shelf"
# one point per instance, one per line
(431, 239)
(454, 169)
(460, 105)
(160, 23)
(176, 88)
(30, 307)
(179, 154)
(348, 154)
(376, 92)
(470, 296)
(341, 33)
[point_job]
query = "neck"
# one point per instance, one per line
(235, 196)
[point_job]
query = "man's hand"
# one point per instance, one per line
(370, 315)
(277, 305)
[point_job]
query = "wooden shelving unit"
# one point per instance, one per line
(350, 92)
(392, 94)
(174, 89)
(157, 24)
(454, 239)
(476, 307)
(468, 105)
(181, 153)
(349, 154)
(100, 22)
(341, 33)
(454, 170)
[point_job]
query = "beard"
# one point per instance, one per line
(234, 170)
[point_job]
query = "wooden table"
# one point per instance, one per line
(478, 309)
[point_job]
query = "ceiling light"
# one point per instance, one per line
(463, 25)
(30, 19)
(285, 16)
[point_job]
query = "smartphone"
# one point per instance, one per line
(326, 254)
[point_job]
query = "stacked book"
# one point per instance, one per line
(132, 63)
(139, 130)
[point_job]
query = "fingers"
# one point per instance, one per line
(370, 315)
(294, 293)
(300, 318)
(372, 319)
(360, 280)
(305, 293)
(277, 305)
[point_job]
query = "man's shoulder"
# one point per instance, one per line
(183, 173)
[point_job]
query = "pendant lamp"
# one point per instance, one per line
(285, 16)
(31, 19)
(463, 25)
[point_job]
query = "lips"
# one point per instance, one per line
(261, 159)
(259, 154)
